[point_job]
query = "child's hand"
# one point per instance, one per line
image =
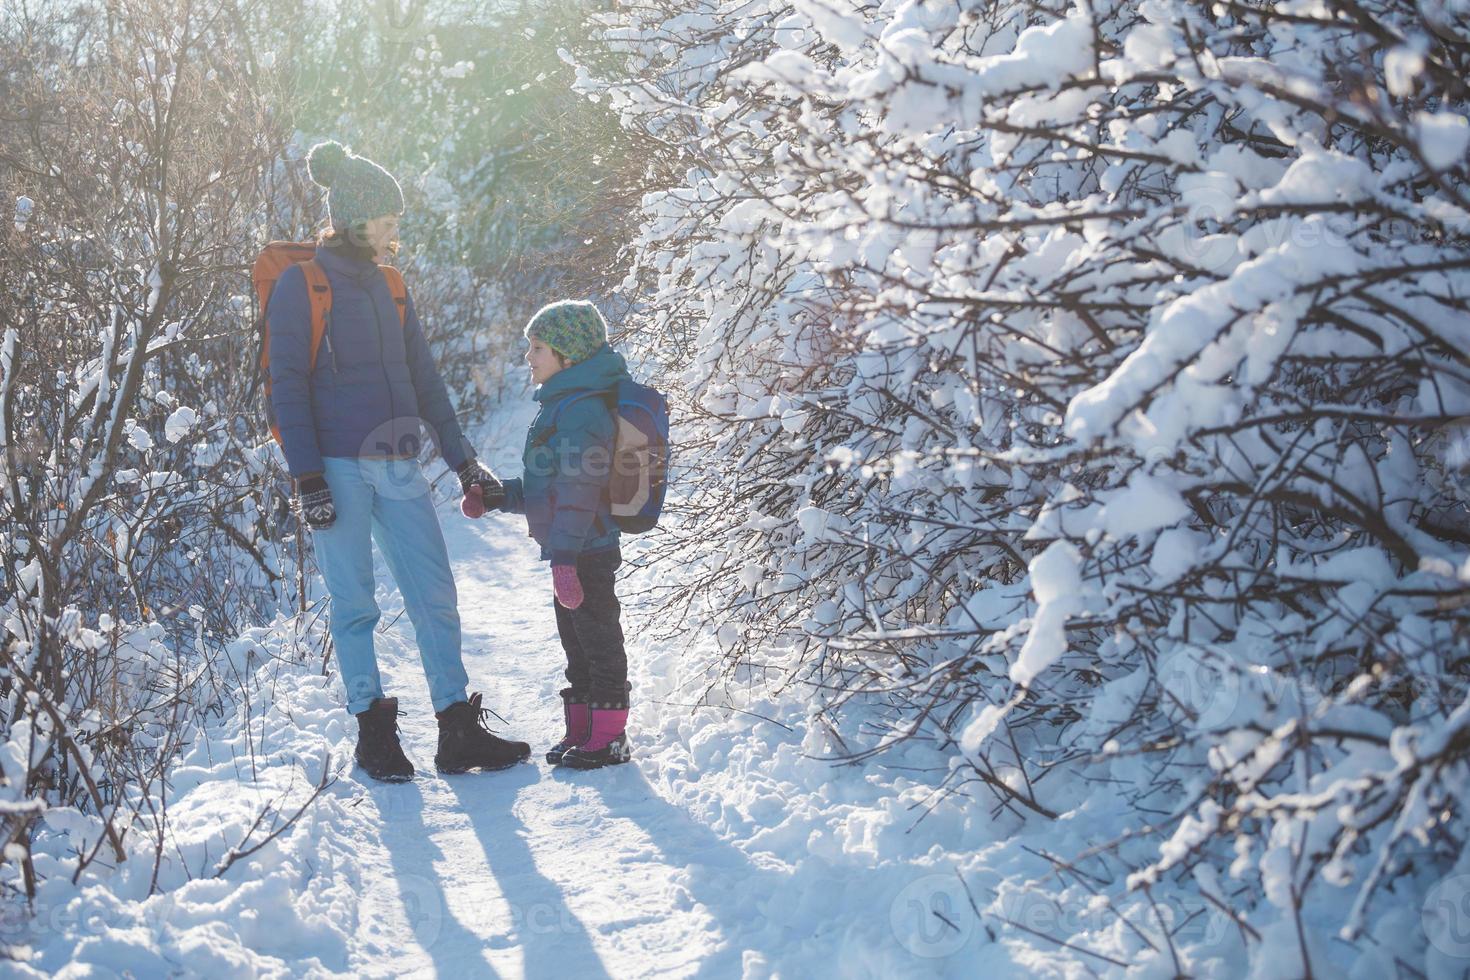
(481, 488)
(473, 504)
(566, 585)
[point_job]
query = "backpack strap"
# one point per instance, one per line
(399, 289)
(319, 294)
(557, 409)
(575, 396)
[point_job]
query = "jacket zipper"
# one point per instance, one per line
(382, 357)
(327, 336)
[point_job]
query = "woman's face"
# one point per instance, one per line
(381, 235)
(543, 360)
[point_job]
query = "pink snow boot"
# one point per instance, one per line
(579, 725)
(607, 745)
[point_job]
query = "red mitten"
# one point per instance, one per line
(567, 586)
(473, 504)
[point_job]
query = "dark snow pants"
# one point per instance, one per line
(592, 635)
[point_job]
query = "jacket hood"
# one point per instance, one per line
(600, 372)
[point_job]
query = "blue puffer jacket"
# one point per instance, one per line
(374, 383)
(563, 491)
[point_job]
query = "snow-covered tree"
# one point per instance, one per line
(133, 487)
(1083, 386)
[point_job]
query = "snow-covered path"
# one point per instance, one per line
(535, 870)
(729, 848)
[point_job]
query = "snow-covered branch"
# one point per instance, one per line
(1083, 392)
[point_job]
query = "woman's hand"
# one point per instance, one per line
(482, 489)
(315, 500)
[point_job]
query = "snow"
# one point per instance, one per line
(1400, 67)
(1443, 137)
(154, 281)
(1174, 553)
(731, 846)
(1072, 580)
(837, 25)
(979, 729)
(179, 423)
(1146, 504)
(1149, 278)
(7, 379)
(728, 848)
(1057, 584)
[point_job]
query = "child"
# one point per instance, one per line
(567, 460)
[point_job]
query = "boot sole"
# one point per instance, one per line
(460, 770)
(571, 761)
(387, 779)
(589, 766)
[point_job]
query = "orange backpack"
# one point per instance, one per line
(275, 259)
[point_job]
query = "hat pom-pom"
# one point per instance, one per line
(324, 162)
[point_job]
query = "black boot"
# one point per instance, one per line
(579, 725)
(378, 751)
(465, 743)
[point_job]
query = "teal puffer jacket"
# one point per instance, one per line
(563, 490)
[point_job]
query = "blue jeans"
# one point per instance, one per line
(387, 500)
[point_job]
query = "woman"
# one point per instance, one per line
(351, 427)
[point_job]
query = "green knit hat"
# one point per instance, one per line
(572, 328)
(358, 190)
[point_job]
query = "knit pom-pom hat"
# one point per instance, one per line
(358, 190)
(572, 328)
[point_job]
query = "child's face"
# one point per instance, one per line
(544, 362)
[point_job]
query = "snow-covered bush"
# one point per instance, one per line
(1084, 387)
(137, 517)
